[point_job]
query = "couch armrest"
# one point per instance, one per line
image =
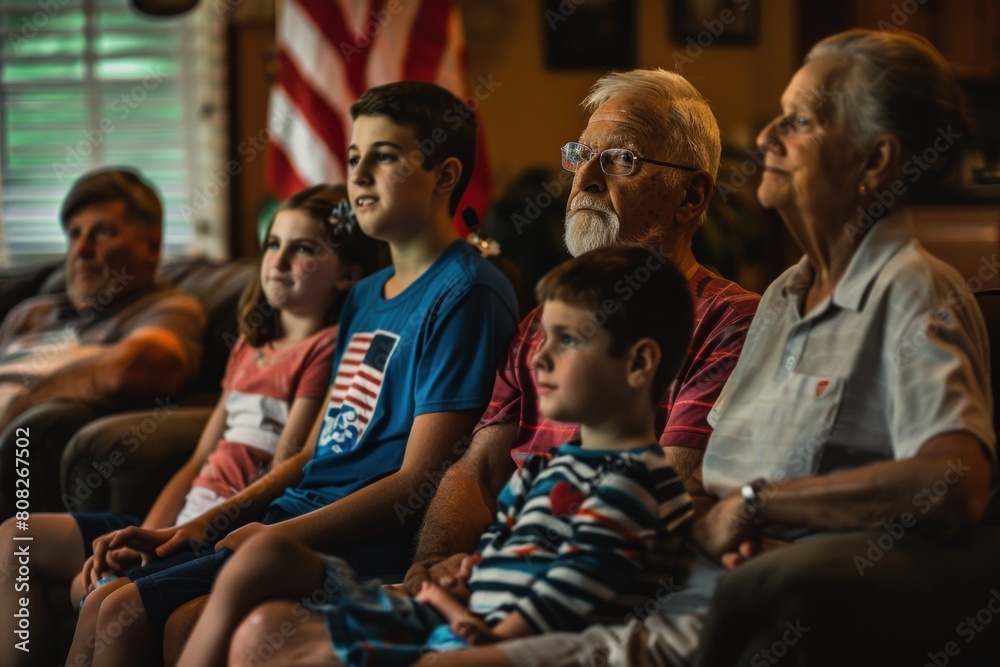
(44, 431)
(23, 282)
(122, 462)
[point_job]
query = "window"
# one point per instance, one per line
(85, 83)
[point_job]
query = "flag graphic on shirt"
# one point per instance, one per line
(356, 389)
(331, 51)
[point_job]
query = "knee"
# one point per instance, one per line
(791, 582)
(119, 610)
(264, 554)
(259, 638)
(178, 629)
(271, 548)
(757, 590)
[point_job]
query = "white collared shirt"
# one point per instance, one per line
(897, 355)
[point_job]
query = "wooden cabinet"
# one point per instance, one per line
(967, 32)
(967, 236)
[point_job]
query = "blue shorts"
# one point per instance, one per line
(161, 600)
(94, 524)
(167, 584)
(371, 626)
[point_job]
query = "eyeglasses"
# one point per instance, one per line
(613, 161)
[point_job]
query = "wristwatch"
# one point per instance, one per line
(751, 495)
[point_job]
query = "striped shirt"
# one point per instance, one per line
(722, 313)
(575, 529)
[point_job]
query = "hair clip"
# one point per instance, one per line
(487, 247)
(342, 218)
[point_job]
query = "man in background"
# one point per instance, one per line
(115, 338)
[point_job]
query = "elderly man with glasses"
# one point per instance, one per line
(657, 149)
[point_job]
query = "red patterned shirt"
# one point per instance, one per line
(722, 312)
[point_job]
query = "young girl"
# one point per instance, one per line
(276, 378)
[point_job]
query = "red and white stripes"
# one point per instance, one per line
(331, 51)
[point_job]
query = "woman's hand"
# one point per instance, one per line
(727, 529)
(747, 550)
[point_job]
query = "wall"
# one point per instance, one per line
(251, 54)
(535, 110)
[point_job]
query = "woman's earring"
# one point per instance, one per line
(863, 189)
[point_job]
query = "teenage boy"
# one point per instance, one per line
(418, 344)
(579, 532)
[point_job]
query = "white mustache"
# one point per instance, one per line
(586, 201)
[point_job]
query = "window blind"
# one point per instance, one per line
(86, 83)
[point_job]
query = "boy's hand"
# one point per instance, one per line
(158, 542)
(238, 537)
(461, 622)
(475, 631)
(442, 601)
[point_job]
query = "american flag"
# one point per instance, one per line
(356, 389)
(331, 51)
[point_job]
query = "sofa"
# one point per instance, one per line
(121, 461)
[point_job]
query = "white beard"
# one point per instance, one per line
(587, 230)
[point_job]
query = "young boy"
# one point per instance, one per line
(579, 532)
(418, 345)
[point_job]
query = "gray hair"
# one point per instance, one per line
(689, 126)
(895, 83)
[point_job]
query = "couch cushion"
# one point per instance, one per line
(217, 285)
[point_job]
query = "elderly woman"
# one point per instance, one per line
(861, 403)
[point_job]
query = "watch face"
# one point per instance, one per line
(751, 493)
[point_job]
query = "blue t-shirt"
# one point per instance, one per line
(432, 348)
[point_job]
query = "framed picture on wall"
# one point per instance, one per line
(597, 34)
(708, 22)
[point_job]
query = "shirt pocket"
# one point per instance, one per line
(773, 430)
